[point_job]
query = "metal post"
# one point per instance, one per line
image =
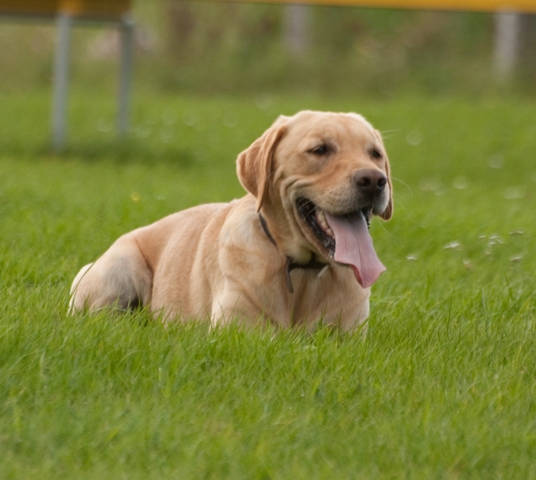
(127, 49)
(296, 29)
(507, 27)
(61, 81)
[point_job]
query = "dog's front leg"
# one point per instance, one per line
(237, 308)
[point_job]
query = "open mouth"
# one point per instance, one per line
(316, 221)
(344, 238)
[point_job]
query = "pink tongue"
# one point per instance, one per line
(353, 246)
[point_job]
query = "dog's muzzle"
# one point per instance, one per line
(344, 238)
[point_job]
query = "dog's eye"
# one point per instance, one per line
(320, 150)
(375, 153)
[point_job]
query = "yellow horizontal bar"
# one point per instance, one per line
(105, 8)
(99, 8)
(36, 7)
(521, 6)
(119, 7)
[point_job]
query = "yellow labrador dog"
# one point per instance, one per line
(294, 251)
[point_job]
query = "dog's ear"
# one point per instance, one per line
(254, 165)
(388, 212)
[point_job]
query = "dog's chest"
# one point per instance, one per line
(325, 296)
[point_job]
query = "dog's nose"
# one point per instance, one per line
(371, 181)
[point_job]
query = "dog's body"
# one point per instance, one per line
(280, 253)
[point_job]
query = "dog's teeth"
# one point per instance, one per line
(321, 219)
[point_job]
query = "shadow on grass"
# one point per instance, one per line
(118, 151)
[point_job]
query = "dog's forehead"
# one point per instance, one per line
(334, 126)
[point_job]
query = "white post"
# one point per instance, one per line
(507, 32)
(61, 81)
(296, 31)
(125, 74)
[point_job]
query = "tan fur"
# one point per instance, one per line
(216, 261)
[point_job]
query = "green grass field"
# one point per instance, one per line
(443, 386)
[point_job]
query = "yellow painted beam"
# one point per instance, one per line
(78, 8)
(520, 6)
(29, 7)
(100, 8)
(116, 8)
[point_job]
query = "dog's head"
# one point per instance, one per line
(318, 177)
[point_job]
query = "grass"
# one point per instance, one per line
(443, 386)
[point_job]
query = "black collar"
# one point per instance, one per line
(264, 226)
(312, 264)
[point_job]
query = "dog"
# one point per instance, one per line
(295, 251)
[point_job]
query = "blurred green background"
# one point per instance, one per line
(215, 48)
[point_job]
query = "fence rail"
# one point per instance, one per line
(67, 11)
(519, 6)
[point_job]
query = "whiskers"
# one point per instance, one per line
(311, 208)
(386, 134)
(398, 180)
